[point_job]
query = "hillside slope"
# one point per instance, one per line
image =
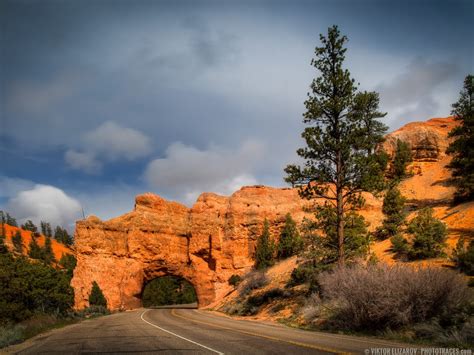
(58, 248)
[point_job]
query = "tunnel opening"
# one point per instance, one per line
(169, 291)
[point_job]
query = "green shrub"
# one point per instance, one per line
(290, 242)
(429, 235)
(393, 209)
(11, 334)
(464, 257)
(234, 280)
(401, 159)
(265, 250)
(400, 246)
(96, 297)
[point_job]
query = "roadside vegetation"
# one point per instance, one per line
(35, 291)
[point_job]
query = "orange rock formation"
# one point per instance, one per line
(215, 239)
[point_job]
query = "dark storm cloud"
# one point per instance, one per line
(200, 79)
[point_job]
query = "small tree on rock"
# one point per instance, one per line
(96, 297)
(400, 161)
(265, 250)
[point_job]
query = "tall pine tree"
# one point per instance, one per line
(340, 153)
(462, 148)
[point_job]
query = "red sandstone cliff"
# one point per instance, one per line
(215, 239)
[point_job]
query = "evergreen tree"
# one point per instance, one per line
(47, 252)
(464, 257)
(35, 252)
(3, 247)
(429, 235)
(62, 236)
(5, 218)
(46, 229)
(400, 161)
(400, 246)
(28, 288)
(96, 297)
(290, 241)
(393, 209)
(17, 241)
(339, 154)
(68, 262)
(462, 148)
(264, 252)
(322, 239)
(30, 226)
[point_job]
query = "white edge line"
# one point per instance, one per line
(176, 335)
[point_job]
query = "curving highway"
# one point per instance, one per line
(188, 331)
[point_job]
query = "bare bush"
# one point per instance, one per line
(383, 296)
(252, 281)
(311, 308)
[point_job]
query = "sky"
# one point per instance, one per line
(106, 99)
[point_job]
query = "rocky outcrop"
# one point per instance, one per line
(427, 140)
(216, 237)
(205, 244)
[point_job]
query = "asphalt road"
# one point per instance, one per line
(188, 331)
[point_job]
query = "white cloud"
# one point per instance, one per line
(108, 142)
(82, 161)
(45, 202)
(186, 171)
(117, 142)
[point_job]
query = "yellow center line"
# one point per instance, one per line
(305, 345)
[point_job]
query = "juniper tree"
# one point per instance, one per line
(265, 250)
(290, 241)
(96, 297)
(429, 235)
(394, 210)
(462, 148)
(339, 153)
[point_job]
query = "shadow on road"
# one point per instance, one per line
(176, 306)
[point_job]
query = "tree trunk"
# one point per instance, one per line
(340, 211)
(340, 229)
